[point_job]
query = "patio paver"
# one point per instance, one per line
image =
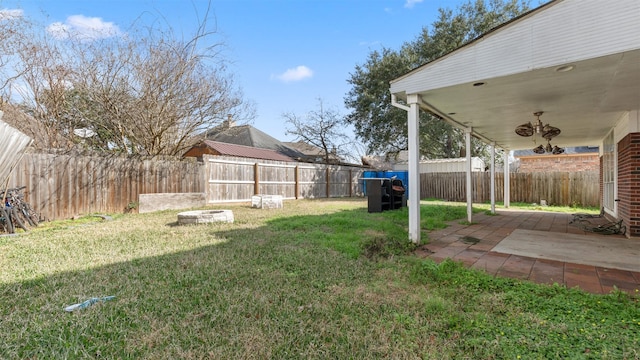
(449, 243)
(547, 272)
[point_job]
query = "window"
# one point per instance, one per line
(609, 172)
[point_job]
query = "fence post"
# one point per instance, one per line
(296, 176)
(206, 177)
(256, 179)
(328, 175)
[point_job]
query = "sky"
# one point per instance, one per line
(285, 55)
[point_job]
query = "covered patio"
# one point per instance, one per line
(572, 66)
(488, 245)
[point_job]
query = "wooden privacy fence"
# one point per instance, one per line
(63, 186)
(556, 188)
(237, 179)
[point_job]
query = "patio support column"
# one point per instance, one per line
(505, 159)
(414, 169)
(467, 138)
(493, 178)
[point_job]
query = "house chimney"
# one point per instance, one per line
(229, 123)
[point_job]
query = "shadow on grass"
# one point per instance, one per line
(260, 285)
(164, 301)
(292, 287)
(251, 288)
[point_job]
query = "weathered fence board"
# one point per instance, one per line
(63, 186)
(238, 179)
(556, 188)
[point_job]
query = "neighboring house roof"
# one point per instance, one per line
(310, 151)
(220, 148)
(247, 135)
(567, 151)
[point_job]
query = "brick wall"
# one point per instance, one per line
(629, 183)
(565, 162)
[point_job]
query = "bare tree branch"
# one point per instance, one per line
(320, 128)
(145, 93)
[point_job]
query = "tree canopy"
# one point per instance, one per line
(383, 127)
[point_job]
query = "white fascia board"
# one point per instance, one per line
(564, 32)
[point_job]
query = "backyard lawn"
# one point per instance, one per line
(317, 279)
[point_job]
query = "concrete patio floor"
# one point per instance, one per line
(453, 243)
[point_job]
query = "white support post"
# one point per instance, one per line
(493, 178)
(505, 158)
(467, 133)
(414, 169)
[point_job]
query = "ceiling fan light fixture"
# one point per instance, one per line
(546, 131)
(539, 149)
(557, 150)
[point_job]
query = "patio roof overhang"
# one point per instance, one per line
(498, 81)
(578, 61)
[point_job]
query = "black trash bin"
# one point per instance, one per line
(384, 194)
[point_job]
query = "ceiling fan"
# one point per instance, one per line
(547, 132)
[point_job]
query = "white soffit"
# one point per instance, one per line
(518, 64)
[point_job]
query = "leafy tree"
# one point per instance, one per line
(320, 128)
(380, 125)
(383, 127)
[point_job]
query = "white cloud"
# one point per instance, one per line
(83, 28)
(296, 74)
(8, 14)
(410, 3)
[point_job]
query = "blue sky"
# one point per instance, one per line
(286, 54)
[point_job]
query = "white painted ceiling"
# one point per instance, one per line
(584, 103)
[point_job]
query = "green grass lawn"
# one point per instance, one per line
(317, 279)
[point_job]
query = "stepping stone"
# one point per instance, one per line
(205, 216)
